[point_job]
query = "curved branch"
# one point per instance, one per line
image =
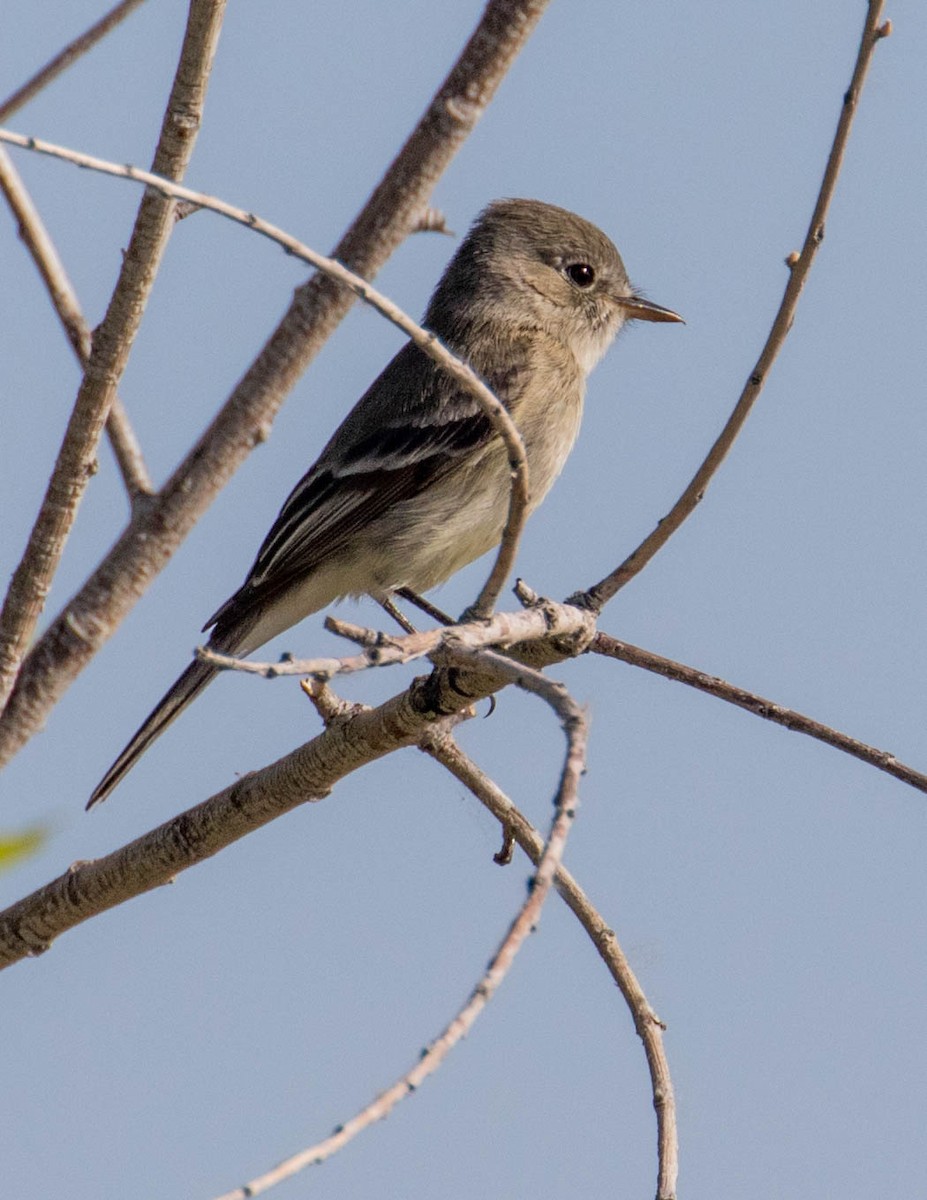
(799, 265)
(548, 866)
(76, 461)
(151, 538)
(440, 744)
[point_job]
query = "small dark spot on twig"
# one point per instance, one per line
(504, 855)
(184, 209)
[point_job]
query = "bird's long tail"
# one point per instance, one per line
(183, 691)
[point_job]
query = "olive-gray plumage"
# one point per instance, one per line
(414, 484)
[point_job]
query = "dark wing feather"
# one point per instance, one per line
(383, 453)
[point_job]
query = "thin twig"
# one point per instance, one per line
(72, 51)
(457, 368)
(424, 605)
(441, 745)
(64, 299)
(799, 266)
(525, 922)
(112, 342)
(383, 649)
(153, 535)
(769, 710)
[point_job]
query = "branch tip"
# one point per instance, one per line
(431, 220)
(526, 596)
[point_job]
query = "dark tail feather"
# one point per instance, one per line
(185, 689)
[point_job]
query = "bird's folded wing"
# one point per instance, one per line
(389, 449)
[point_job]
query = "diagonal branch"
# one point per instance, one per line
(769, 710)
(70, 54)
(77, 457)
(600, 593)
(64, 299)
(92, 615)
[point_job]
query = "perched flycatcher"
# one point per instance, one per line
(414, 484)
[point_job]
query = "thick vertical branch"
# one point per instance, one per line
(64, 299)
(77, 457)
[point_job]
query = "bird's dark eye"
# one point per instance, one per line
(582, 274)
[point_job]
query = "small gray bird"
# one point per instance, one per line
(414, 484)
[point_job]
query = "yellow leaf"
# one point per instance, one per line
(17, 846)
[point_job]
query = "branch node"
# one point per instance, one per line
(504, 855)
(473, 614)
(585, 601)
(330, 707)
(354, 633)
(527, 597)
(431, 220)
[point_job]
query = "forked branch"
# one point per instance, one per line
(548, 867)
(76, 460)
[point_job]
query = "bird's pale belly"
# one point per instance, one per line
(419, 545)
(467, 510)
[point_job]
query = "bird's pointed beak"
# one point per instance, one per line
(638, 309)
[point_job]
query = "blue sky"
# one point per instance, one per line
(769, 891)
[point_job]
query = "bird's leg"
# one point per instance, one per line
(391, 610)
(425, 605)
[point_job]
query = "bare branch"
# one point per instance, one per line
(444, 749)
(39, 244)
(91, 616)
(548, 865)
(383, 649)
(307, 773)
(769, 710)
(70, 54)
(76, 461)
(459, 370)
(600, 593)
